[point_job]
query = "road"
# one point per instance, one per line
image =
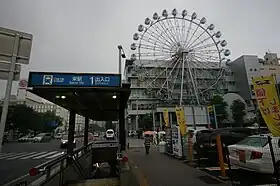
(17, 158)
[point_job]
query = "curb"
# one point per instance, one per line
(142, 179)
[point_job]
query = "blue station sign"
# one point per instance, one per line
(73, 79)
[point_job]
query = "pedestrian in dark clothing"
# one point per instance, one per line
(147, 143)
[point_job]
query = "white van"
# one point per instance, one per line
(110, 134)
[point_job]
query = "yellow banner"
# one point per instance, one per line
(268, 102)
(180, 115)
(210, 108)
(166, 117)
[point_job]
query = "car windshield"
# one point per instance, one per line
(110, 132)
(254, 141)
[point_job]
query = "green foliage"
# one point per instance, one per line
(220, 108)
(110, 125)
(96, 128)
(238, 112)
(25, 118)
(47, 118)
(146, 122)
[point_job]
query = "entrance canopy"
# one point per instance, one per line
(97, 96)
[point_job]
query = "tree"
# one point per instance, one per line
(238, 111)
(9, 124)
(146, 122)
(49, 121)
(23, 118)
(96, 128)
(220, 108)
(110, 125)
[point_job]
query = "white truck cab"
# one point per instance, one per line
(110, 134)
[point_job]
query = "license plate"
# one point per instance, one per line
(242, 156)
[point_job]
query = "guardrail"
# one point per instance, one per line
(59, 168)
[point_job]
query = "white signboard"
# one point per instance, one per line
(7, 41)
(176, 142)
(5, 68)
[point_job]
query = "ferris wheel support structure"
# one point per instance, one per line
(173, 55)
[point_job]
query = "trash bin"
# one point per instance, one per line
(161, 147)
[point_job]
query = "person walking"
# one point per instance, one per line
(147, 143)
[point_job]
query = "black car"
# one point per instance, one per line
(207, 145)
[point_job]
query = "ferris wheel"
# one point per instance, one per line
(179, 57)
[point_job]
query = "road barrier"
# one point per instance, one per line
(221, 156)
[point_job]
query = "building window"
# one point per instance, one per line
(251, 69)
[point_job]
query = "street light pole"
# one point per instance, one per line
(136, 113)
(215, 116)
(120, 59)
(9, 89)
(121, 55)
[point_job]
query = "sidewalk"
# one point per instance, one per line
(158, 169)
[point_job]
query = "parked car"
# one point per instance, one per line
(42, 137)
(253, 154)
(25, 138)
(58, 136)
(194, 135)
(229, 136)
(64, 142)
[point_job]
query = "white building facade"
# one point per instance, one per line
(247, 67)
(141, 102)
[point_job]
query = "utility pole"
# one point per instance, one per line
(9, 89)
(215, 116)
(136, 113)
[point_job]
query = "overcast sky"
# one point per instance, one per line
(82, 36)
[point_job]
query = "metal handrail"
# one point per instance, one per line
(45, 169)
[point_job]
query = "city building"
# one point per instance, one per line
(141, 102)
(248, 66)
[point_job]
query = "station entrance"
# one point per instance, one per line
(99, 97)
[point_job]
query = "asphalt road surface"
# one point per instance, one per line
(17, 158)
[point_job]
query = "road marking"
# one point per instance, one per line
(11, 155)
(19, 156)
(4, 155)
(55, 155)
(44, 155)
(24, 158)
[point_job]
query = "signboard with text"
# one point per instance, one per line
(268, 102)
(73, 79)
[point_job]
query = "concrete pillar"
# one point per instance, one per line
(71, 131)
(86, 131)
(171, 119)
(160, 120)
(122, 132)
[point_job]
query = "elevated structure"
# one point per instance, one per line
(98, 97)
(141, 102)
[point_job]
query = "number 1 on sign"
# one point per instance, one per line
(92, 80)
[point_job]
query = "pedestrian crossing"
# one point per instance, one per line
(30, 155)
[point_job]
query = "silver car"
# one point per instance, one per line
(42, 137)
